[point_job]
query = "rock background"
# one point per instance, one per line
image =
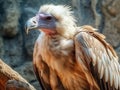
(16, 47)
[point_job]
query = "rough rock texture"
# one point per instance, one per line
(16, 47)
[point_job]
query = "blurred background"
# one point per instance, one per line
(16, 47)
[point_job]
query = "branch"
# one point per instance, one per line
(11, 80)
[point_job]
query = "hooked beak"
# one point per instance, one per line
(31, 24)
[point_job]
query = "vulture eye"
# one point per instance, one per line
(48, 18)
(45, 17)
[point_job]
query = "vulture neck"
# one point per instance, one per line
(55, 49)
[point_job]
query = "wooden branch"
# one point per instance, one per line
(11, 80)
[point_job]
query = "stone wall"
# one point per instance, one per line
(16, 47)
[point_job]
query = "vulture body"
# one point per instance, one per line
(67, 57)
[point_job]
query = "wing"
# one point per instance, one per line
(41, 69)
(99, 57)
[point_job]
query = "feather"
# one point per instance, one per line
(106, 74)
(111, 75)
(116, 81)
(99, 65)
(91, 53)
(115, 67)
(102, 72)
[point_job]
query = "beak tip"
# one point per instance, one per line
(26, 29)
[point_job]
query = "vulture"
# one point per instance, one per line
(71, 57)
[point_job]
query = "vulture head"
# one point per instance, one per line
(53, 19)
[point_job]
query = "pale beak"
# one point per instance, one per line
(31, 24)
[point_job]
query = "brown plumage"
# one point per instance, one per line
(67, 57)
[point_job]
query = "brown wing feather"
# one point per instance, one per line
(41, 70)
(99, 57)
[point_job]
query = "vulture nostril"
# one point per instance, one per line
(34, 22)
